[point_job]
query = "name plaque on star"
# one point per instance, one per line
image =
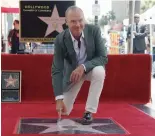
(11, 86)
(42, 21)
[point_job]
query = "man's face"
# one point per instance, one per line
(136, 19)
(16, 25)
(75, 21)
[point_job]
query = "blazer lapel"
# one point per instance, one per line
(70, 49)
(88, 42)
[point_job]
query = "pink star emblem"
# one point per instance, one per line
(10, 81)
(55, 22)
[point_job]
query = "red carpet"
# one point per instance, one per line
(134, 121)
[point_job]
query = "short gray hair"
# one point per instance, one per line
(137, 15)
(72, 8)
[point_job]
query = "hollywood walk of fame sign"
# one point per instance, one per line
(68, 126)
(10, 86)
(42, 21)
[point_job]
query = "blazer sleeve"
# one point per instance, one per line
(57, 68)
(143, 33)
(100, 58)
(129, 32)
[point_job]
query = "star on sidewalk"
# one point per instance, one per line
(70, 125)
(10, 81)
(54, 22)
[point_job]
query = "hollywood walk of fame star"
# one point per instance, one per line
(54, 22)
(10, 81)
(67, 124)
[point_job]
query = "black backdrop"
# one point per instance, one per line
(32, 29)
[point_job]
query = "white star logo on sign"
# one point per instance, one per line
(54, 22)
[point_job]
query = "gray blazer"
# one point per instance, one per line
(139, 40)
(65, 61)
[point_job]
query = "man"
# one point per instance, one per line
(139, 31)
(79, 55)
(3, 44)
(13, 37)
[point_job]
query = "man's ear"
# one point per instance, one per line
(66, 22)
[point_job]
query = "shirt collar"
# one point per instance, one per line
(73, 39)
(136, 23)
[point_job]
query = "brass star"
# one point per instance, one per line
(10, 81)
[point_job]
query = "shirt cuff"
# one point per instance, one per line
(84, 67)
(59, 97)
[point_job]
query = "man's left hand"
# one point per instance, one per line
(134, 33)
(77, 74)
(17, 35)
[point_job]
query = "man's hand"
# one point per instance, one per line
(148, 49)
(17, 35)
(9, 43)
(60, 106)
(77, 74)
(134, 32)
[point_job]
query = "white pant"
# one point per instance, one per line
(96, 77)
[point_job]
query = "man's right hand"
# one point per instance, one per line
(9, 43)
(60, 106)
(134, 32)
